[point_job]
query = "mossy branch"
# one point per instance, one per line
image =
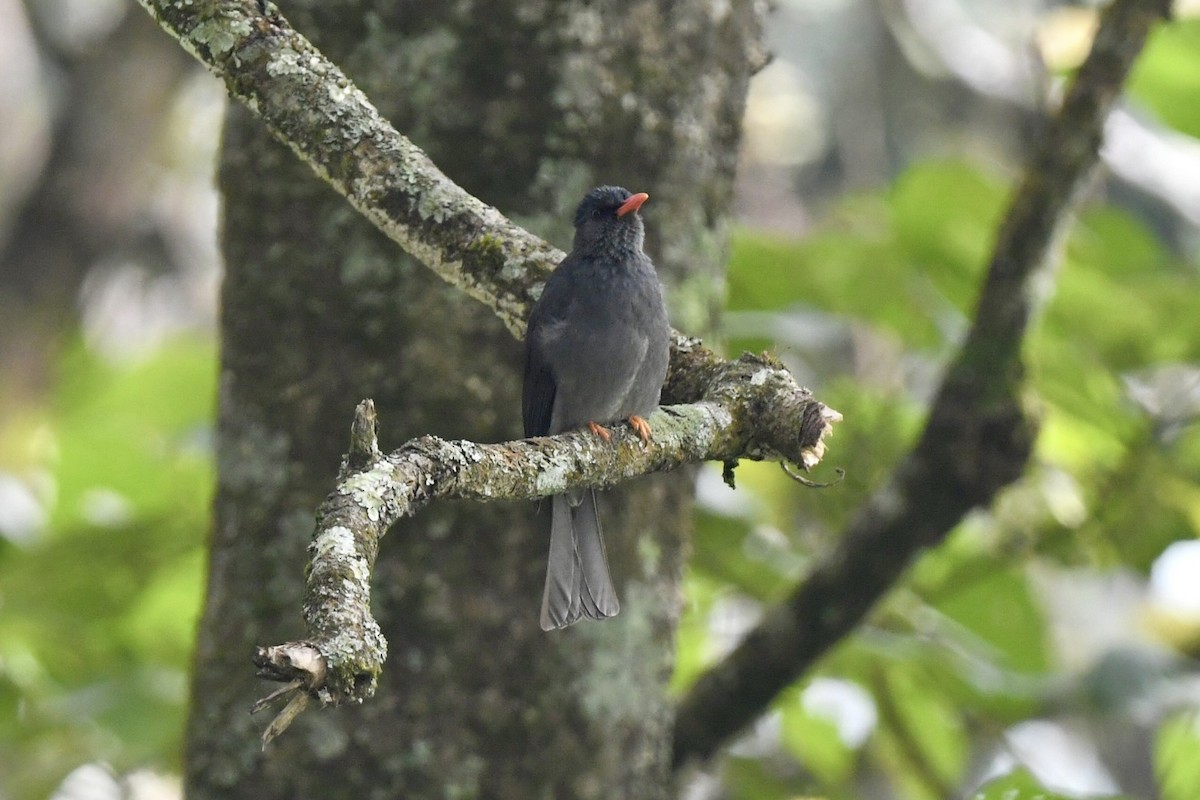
(313, 108)
(342, 659)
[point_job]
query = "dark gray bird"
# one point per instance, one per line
(595, 353)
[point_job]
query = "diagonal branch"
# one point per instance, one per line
(978, 437)
(313, 108)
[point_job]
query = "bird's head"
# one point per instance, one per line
(608, 218)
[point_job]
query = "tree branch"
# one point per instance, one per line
(749, 408)
(978, 436)
(313, 108)
(343, 657)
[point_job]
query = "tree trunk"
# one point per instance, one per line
(527, 105)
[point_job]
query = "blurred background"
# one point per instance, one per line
(1052, 641)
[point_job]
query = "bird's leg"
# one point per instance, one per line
(600, 431)
(640, 427)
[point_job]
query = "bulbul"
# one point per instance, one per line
(596, 353)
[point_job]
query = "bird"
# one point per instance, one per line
(596, 352)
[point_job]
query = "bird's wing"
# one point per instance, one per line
(537, 403)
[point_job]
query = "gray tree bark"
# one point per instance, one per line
(525, 104)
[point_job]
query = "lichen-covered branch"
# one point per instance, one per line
(978, 437)
(345, 651)
(312, 107)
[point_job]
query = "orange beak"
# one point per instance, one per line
(633, 203)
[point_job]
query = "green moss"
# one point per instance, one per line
(487, 254)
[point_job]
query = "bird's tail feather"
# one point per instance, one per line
(577, 579)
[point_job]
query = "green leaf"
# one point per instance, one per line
(693, 651)
(750, 779)
(1175, 757)
(1017, 785)
(1000, 610)
(161, 621)
(921, 740)
(945, 215)
(910, 265)
(725, 549)
(863, 277)
(1115, 243)
(814, 740)
(134, 439)
(1167, 75)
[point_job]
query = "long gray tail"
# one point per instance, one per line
(577, 580)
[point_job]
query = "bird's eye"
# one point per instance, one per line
(597, 213)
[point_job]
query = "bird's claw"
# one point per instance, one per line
(640, 427)
(601, 431)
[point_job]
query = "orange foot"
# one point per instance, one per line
(640, 427)
(601, 431)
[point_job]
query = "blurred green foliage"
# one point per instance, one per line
(1019, 785)
(1175, 757)
(1166, 79)
(98, 612)
(963, 649)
